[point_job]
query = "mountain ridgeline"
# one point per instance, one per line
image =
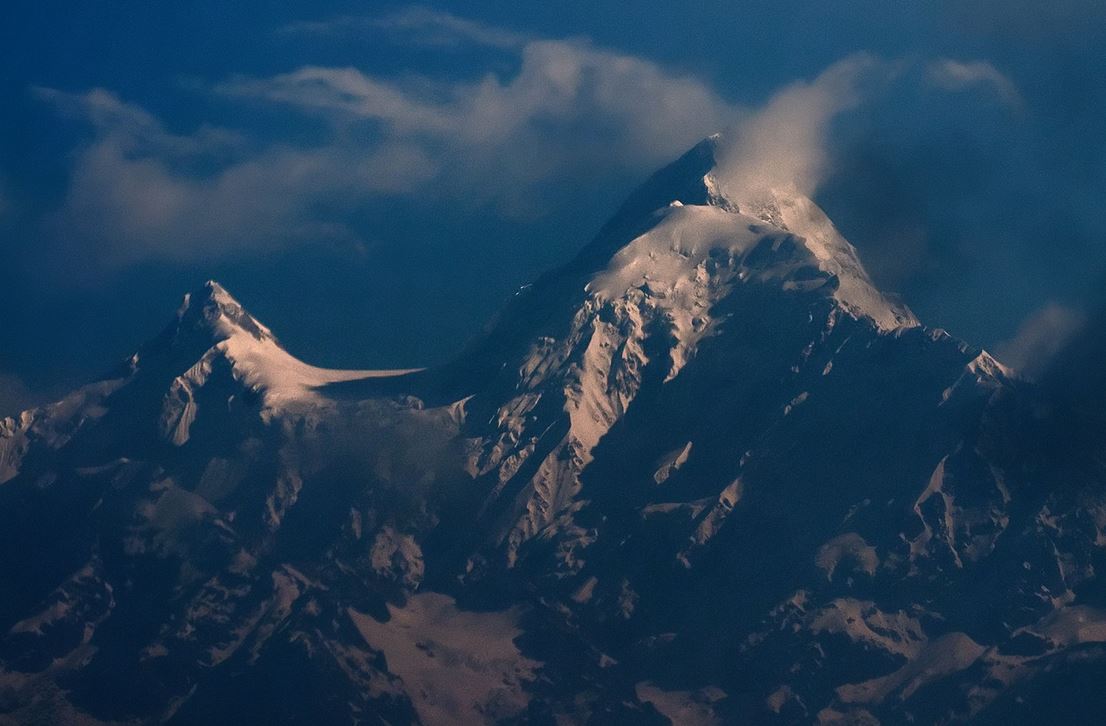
(704, 473)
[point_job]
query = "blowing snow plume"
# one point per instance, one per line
(782, 146)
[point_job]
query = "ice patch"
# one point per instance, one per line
(457, 666)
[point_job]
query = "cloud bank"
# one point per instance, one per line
(567, 114)
(139, 192)
(568, 107)
(133, 194)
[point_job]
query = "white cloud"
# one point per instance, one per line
(784, 145)
(567, 98)
(570, 110)
(953, 75)
(129, 198)
(1039, 338)
(569, 113)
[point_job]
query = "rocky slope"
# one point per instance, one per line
(704, 473)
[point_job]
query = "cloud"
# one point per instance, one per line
(138, 191)
(1076, 374)
(136, 129)
(568, 116)
(784, 144)
(565, 99)
(133, 193)
(572, 107)
(422, 25)
(953, 75)
(1040, 338)
(345, 91)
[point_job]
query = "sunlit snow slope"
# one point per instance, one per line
(704, 473)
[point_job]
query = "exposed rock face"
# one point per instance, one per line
(704, 473)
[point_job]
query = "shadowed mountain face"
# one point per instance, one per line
(705, 473)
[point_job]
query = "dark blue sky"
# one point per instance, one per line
(372, 180)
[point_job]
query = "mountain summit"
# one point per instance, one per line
(817, 243)
(256, 357)
(703, 473)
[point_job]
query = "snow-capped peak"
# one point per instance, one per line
(255, 354)
(794, 212)
(674, 247)
(215, 309)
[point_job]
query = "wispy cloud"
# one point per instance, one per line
(346, 92)
(1075, 372)
(133, 125)
(132, 195)
(637, 107)
(953, 75)
(139, 191)
(784, 144)
(419, 24)
(1040, 338)
(569, 111)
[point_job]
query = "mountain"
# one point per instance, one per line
(704, 473)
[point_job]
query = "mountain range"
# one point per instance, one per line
(704, 473)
